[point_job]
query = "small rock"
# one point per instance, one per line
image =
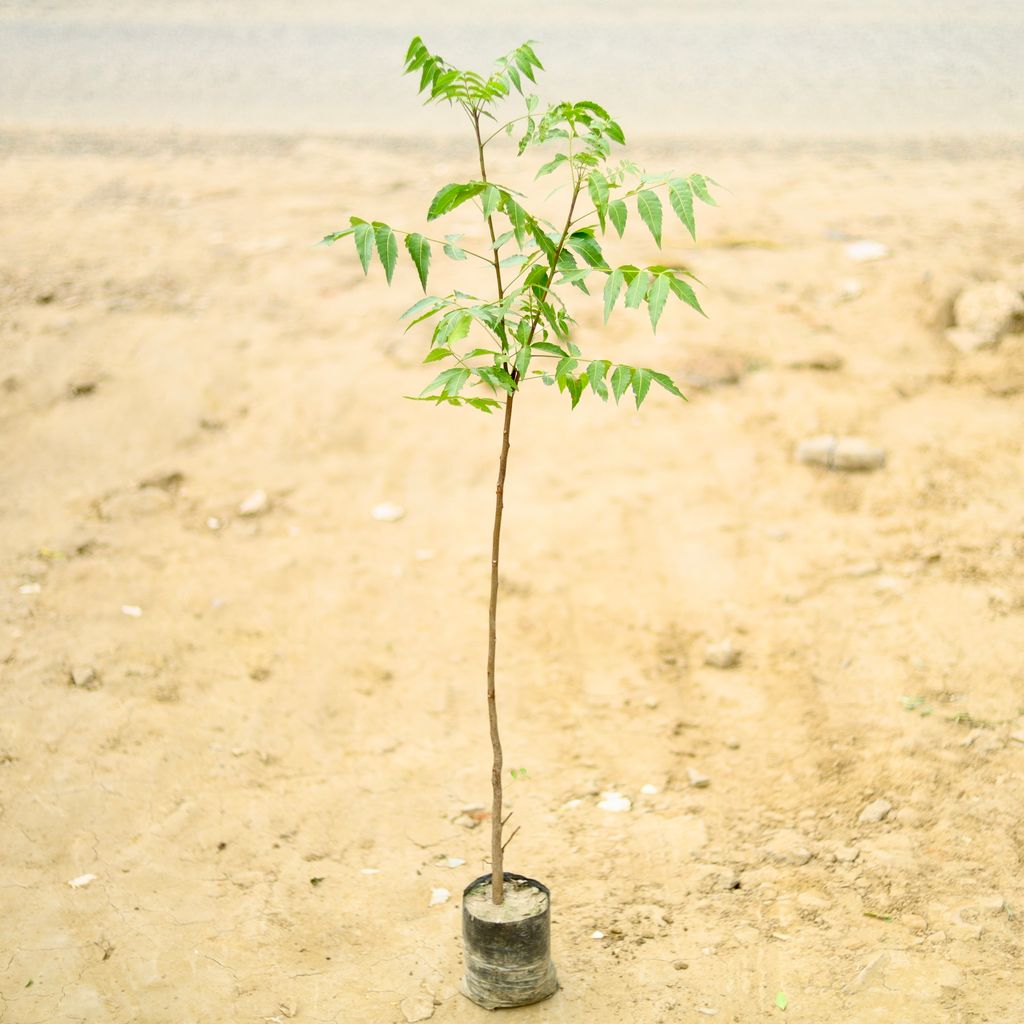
(991, 904)
(850, 454)
(255, 505)
(454, 862)
(387, 512)
(81, 881)
(133, 611)
(875, 811)
(788, 847)
(847, 854)
(81, 388)
(648, 789)
(418, 1007)
(866, 251)
(826, 362)
(873, 973)
(30, 588)
(722, 655)
(697, 779)
(597, 935)
(680, 965)
(984, 313)
(615, 802)
(732, 743)
(84, 676)
(465, 821)
(936, 938)
(850, 289)
(439, 895)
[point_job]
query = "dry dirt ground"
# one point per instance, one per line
(269, 770)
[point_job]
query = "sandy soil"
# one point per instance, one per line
(271, 767)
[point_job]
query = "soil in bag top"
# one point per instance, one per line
(521, 901)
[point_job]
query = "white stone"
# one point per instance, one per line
(387, 512)
(697, 779)
(866, 251)
(988, 310)
(439, 895)
(133, 611)
(84, 676)
(722, 655)
(615, 802)
(255, 505)
(875, 811)
(788, 847)
(418, 1007)
(81, 881)
(851, 454)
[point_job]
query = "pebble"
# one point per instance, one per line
(85, 677)
(788, 847)
(81, 881)
(722, 655)
(850, 454)
(982, 314)
(30, 588)
(680, 965)
(697, 779)
(875, 811)
(732, 743)
(133, 611)
(648, 790)
(255, 505)
(847, 854)
(387, 512)
(439, 895)
(597, 935)
(418, 1007)
(866, 251)
(615, 802)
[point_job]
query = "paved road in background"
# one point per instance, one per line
(792, 68)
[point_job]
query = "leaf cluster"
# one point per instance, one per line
(495, 345)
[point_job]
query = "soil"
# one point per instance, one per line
(275, 747)
(521, 900)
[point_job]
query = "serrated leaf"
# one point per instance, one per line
(490, 198)
(700, 189)
(419, 250)
(451, 196)
(617, 215)
(595, 375)
(667, 383)
(641, 385)
(437, 353)
(597, 185)
(335, 236)
(683, 291)
(612, 287)
(680, 195)
(656, 299)
(551, 165)
(450, 381)
(587, 246)
(523, 357)
(575, 386)
(549, 348)
(637, 290)
(621, 376)
(387, 248)
(649, 207)
(453, 252)
(363, 234)
(517, 217)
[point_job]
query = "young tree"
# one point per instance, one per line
(526, 323)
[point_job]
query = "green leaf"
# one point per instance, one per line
(452, 196)
(549, 349)
(387, 248)
(450, 381)
(453, 252)
(523, 357)
(586, 245)
(363, 234)
(649, 207)
(641, 385)
(438, 353)
(575, 386)
(490, 198)
(637, 290)
(621, 376)
(680, 195)
(595, 375)
(517, 217)
(781, 1001)
(683, 291)
(487, 405)
(656, 299)
(419, 250)
(551, 165)
(666, 382)
(700, 189)
(597, 185)
(617, 215)
(335, 236)
(612, 287)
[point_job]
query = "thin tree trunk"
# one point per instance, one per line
(497, 852)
